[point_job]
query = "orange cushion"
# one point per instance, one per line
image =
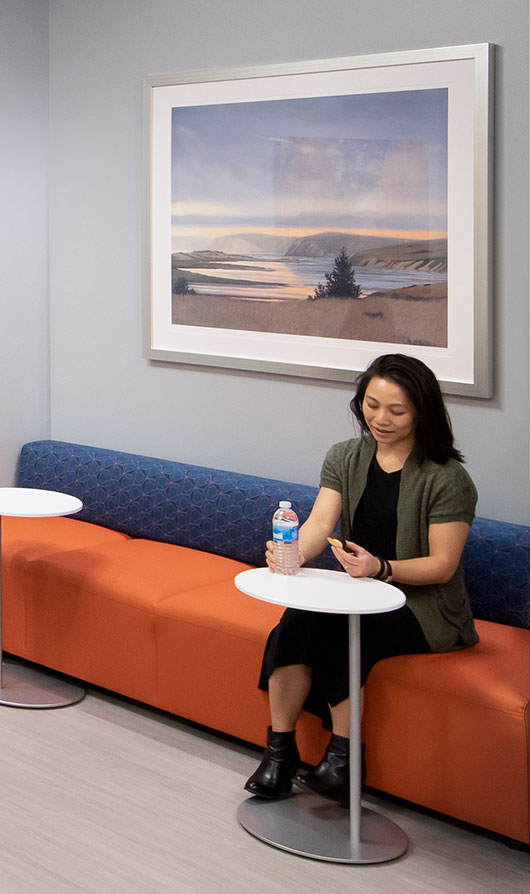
(450, 731)
(42, 534)
(89, 612)
(213, 639)
(495, 673)
(25, 539)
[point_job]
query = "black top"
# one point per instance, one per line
(375, 520)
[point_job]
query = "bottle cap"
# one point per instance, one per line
(285, 504)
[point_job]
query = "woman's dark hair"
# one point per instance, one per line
(434, 434)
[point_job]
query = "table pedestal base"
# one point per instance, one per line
(307, 825)
(24, 687)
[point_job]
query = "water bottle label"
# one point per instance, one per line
(285, 533)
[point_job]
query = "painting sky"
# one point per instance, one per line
(369, 163)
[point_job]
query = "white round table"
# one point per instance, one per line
(305, 823)
(21, 686)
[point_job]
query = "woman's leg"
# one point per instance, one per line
(289, 687)
(288, 690)
(340, 716)
(331, 777)
(287, 676)
(382, 636)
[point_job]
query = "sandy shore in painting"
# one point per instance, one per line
(415, 315)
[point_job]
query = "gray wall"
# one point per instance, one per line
(24, 324)
(102, 391)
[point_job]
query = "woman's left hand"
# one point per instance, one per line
(358, 562)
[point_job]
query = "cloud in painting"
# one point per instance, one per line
(376, 160)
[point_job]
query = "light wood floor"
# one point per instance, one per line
(109, 797)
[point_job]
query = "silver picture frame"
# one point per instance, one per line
(464, 74)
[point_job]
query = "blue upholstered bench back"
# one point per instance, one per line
(208, 509)
(230, 514)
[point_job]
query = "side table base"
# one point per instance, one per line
(24, 687)
(307, 825)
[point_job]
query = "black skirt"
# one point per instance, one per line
(320, 641)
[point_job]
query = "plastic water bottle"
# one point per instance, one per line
(285, 537)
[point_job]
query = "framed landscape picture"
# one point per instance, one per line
(302, 219)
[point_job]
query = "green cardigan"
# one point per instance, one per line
(429, 493)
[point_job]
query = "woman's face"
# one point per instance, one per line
(389, 413)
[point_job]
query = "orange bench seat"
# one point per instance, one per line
(164, 624)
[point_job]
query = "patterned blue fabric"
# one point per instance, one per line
(208, 509)
(230, 514)
(496, 563)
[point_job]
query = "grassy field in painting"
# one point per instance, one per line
(415, 315)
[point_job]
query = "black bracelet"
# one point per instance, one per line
(385, 570)
(382, 569)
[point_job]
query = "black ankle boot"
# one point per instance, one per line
(280, 761)
(331, 777)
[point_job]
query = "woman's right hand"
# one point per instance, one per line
(270, 558)
(315, 531)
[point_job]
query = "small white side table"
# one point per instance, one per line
(21, 686)
(306, 824)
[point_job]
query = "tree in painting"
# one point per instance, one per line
(340, 283)
(180, 286)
